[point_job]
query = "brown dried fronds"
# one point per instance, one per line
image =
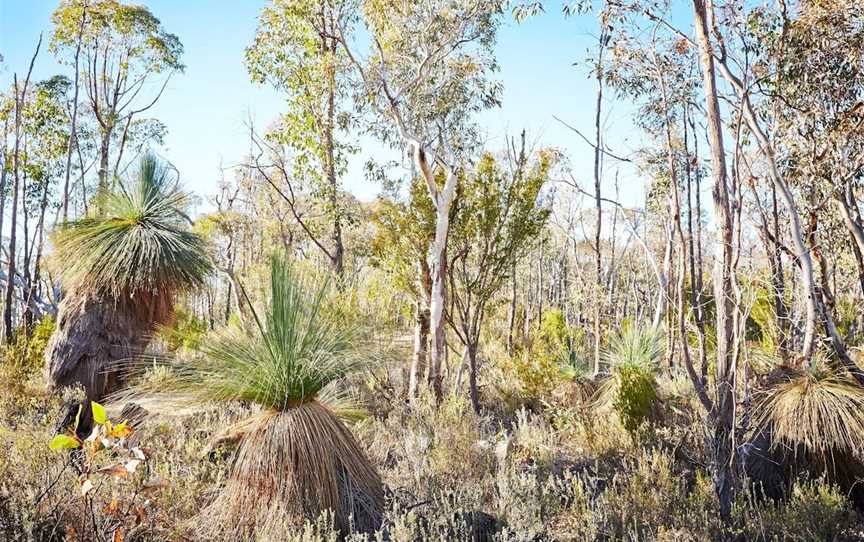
(291, 467)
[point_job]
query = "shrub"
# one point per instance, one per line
(27, 353)
(816, 510)
(186, 331)
(631, 391)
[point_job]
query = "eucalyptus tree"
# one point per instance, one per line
(46, 132)
(124, 48)
(814, 66)
(20, 97)
(428, 70)
(498, 217)
(403, 233)
(296, 50)
(723, 410)
(657, 75)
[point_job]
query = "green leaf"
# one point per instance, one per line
(99, 415)
(64, 442)
(77, 417)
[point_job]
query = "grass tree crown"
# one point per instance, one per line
(292, 353)
(138, 244)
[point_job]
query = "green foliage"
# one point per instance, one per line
(140, 244)
(437, 58)
(762, 322)
(44, 120)
(129, 30)
(548, 360)
(28, 353)
(499, 216)
(295, 50)
(537, 372)
(633, 358)
(292, 354)
(635, 346)
(99, 414)
(634, 396)
(186, 331)
(403, 233)
(816, 510)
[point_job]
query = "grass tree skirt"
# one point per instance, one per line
(92, 336)
(809, 423)
(294, 466)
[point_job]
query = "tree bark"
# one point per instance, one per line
(337, 257)
(846, 201)
(472, 374)
(10, 270)
(73, 123)
(437, 272)
(104, 149)
(682, 252)
(511, 312)
(724, 404)
(421, 329)
(597, 202)
(3, 176)
(437, 260)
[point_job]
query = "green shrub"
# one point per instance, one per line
(551, 358)
(186, 331)
(635, 396)
(26, 354)
(633, 361)
(815, 511)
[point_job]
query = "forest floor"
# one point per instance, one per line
(560, 467)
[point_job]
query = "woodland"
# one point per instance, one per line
(502, 346)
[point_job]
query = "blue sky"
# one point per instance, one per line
(205, 107)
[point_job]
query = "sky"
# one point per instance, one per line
(205, 107)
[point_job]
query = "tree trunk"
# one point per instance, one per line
(421, 330)
(338, 250)
(675, 201)
(695, 246)
(31, 311)
(437, 259)
(805, 261)
(511, 312)
(472, 373)
(16, 172)
(437, 270)
(846, 199)
(663, 280)
(3, 174)
(724, 404)
(779, 281)
(27, 279)
(597, 203)
(91, 337)
(72, 127)
(104, 149)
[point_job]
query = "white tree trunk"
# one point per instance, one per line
(437, 268)
(437, 258)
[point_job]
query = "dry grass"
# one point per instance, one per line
(291, 467)
(820, 410)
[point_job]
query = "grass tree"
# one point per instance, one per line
(296, 458)
(633, 360)
(121, 271)
(807, 420)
